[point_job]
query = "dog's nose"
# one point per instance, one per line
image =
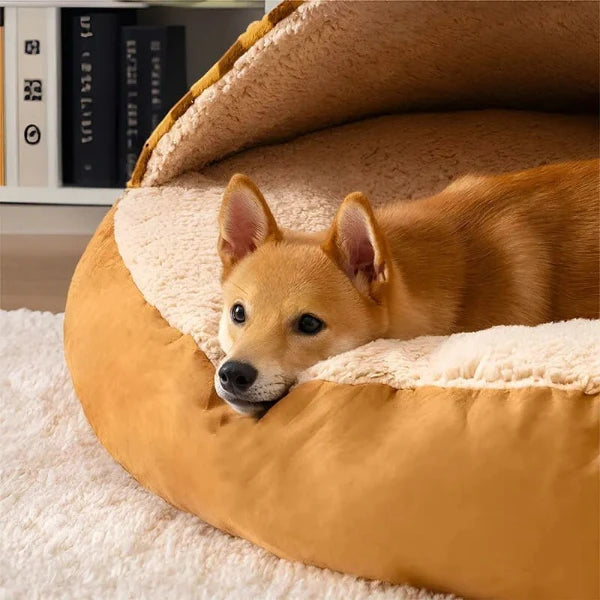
(236, 377)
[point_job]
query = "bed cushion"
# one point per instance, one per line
(466, 463)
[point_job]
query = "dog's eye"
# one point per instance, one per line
(309, 324)
(238, 313)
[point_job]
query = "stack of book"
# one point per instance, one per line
(81, 91)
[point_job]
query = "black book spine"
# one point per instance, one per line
(67, 121)
(152, 80)
(130, 118)
(135, 123)
(167, 70)
(95, 83)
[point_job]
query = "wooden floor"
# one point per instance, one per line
(35, 270)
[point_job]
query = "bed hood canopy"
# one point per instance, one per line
(310, 65)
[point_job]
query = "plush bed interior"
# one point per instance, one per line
(167, 235)
(394, 99)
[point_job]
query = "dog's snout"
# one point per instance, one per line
(237, 377)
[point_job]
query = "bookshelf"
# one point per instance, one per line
(258, 4)
(211, 26)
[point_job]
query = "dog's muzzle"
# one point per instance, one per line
(233, 383)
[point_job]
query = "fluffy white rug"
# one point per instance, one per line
(73, 524)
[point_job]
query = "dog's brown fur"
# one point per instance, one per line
(519, 248)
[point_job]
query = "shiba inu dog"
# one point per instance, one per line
(519, 248)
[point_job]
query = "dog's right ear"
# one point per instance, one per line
(245, 221)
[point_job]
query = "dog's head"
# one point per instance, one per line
(293, 299)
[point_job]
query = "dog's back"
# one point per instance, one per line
(520, 248)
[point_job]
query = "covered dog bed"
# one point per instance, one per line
(466, 464)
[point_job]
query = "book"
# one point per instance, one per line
(167, 71)
(94, 73)
(11, 99)
(32, 89)
(94, 80)
(130, 137)
(153, 78)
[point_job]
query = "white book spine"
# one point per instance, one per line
(11, 125)
(33, 86)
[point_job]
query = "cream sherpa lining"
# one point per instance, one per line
(331, 62)
(562, 355)
(167, 235)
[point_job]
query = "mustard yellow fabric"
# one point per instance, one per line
(484, 493)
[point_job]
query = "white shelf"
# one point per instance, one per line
(134, 4)
(73, 4)
(61, 195)
(206, 3)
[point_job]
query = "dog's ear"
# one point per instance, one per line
(245, 221)
(356, 243)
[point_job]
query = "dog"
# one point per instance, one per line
(513, 249)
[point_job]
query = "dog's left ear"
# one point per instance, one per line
(245, 221)
(356, 243)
